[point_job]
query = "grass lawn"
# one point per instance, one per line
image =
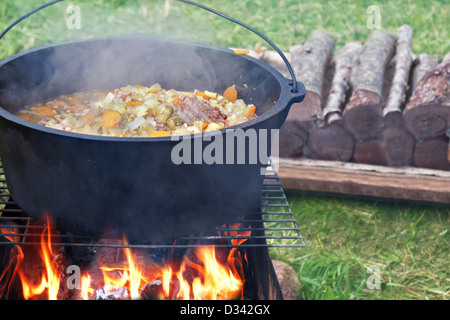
(408, 244)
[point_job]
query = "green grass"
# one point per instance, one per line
(286, 22)
(409, 243)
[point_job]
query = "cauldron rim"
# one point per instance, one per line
(286, 98)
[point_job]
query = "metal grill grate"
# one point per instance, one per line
(274, 226)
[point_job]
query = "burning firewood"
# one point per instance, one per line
(153, 290)
(427, 114)
(310, 62)
(333, 141)
(109, 292)
(363, 114)
(398, 141)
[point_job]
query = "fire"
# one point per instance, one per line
(214, 280)
(205, 273)
(51, 278)
(12, 231)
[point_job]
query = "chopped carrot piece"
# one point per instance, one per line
(231, 94)
(241, 51)
(204, 95)
(135, 103)
(251, 111)
(45, 111)
(157, 134)
(110, 119)
(88, 118)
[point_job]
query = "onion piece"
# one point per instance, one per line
(136, 123)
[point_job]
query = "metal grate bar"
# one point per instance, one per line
(274, 226)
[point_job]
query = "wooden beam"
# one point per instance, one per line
(351, 179)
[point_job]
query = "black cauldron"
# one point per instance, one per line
(146, 188)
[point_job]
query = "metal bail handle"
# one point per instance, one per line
(288, 65)
(26, 16)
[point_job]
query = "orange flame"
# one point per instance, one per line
(50, 280)
(215, 281)
(12, 231)
(204, 274)
(86, 290)
(132, 275)
(10, 270)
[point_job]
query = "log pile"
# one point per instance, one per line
(374, 103)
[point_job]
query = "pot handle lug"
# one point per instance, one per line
(297, 96)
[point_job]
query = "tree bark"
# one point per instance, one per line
(363, 114)
(333, 141)
(404, 59)
(340, 86)
(309, 63)
(423, 63)
(427, 114)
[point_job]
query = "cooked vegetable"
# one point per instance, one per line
(251, 111)
(160, 134)
(231, 94)
(138, 111)
(44, 111)
(110, 119)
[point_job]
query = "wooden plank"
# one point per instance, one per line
(352, 179)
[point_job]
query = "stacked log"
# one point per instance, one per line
(331, 140)
(427, 115)
(383, 105)
(399, 142)
(309, 63)
(363, 115)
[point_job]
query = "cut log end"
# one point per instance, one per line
(427, 114)
(372, 151)
(333, 142)
(365, 122)
(394, 119)
(293, 137)
(427, 121)
(399, 146)
(432, 154)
